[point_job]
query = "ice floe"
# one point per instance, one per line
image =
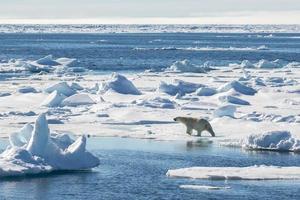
(203, 187)
(260, 172)
(35, 150)
(274, 140)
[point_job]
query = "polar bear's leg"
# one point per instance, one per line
(189, 130)
(199, 132)
(210, 130)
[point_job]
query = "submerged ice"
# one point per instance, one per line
(35, 150)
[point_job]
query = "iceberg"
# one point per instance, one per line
(35, 150)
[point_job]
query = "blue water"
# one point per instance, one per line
(135, 169)
(114, 52)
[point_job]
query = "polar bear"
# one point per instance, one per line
(197, 124)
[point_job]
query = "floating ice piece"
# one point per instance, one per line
(119, 84)
(247, 64)
(238, 87)
(260, 172)
(265, 64)
(42, 153)
(203, 187)
(205, 91)
(187, 66)
(156, 102)
(77, 100)
(54, 99)
(27, 89)
(179, 87)
(61, 88)
(262, 47)
(274, 140)
(233, 100)
(227, 110)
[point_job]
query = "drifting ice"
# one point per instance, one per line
(33, 151)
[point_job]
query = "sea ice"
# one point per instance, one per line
(238, 87)
(227, 110)
(61, 88)
(179, 87)
(274, 140)
(205, 91)
(260, 172)
(265, 64)
(233, 100)
(77, 100)
(247, 64)
(37, 151)
(54, 99)
(156, 102)
(119, 84)
(27, 89)
(187, 66)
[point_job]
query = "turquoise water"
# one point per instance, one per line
(135, 169)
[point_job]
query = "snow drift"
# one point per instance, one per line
(35, 150)
(119, 84)
(261, 172)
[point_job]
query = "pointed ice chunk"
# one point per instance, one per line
(40, 136)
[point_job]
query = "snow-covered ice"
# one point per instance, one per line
(119, 83)
(260, 172)
(36, 150)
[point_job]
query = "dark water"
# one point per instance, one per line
(135, 169)
(157, 50)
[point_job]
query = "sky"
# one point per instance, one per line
(151, 11)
